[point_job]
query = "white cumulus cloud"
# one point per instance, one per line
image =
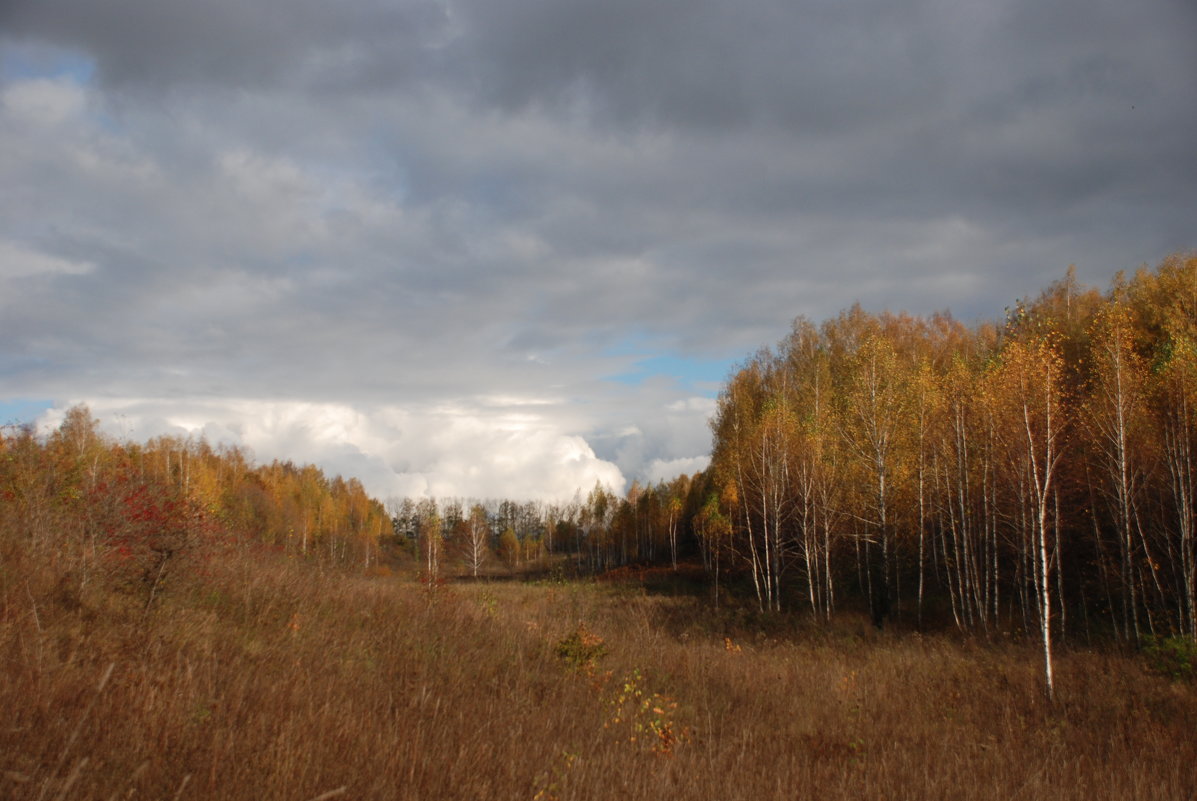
(438, 452)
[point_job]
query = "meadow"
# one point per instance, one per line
(264, 677)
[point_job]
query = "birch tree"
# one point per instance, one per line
(1115, 418)
(476, 539)
(873, 420)
(1029, 376)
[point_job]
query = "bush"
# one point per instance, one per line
(1174, 657)
(581, 650)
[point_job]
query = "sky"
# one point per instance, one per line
(511, 248)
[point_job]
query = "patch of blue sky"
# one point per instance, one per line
(16, 411)
(703, 377)
(29, 61)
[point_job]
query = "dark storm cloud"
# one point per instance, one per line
(1003, 111)
(698, 64)
(921, 106)
(254, 45)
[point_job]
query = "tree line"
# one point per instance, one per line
(103, 509)
(1036, 473)
(586, 535)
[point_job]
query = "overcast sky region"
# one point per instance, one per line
(509, 248)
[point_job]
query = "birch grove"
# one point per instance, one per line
(1037, 475)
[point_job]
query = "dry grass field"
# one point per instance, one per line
(271, 680)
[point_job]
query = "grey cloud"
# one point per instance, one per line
(813, 68)
(685, 63)
(157, 46)
(429, 204)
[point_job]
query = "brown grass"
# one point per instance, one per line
(270, 680)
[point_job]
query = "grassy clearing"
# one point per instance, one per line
(270, 680)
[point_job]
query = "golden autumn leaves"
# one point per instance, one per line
(1001, 476)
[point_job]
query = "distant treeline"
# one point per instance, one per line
(98, 504)
(596, 533)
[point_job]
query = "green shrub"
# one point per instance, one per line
(581, 650)
(1174, 657)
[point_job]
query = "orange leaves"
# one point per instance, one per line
(636, 715)
(152, 503)
(644, 718)
(581, 650)
(1028, 378)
